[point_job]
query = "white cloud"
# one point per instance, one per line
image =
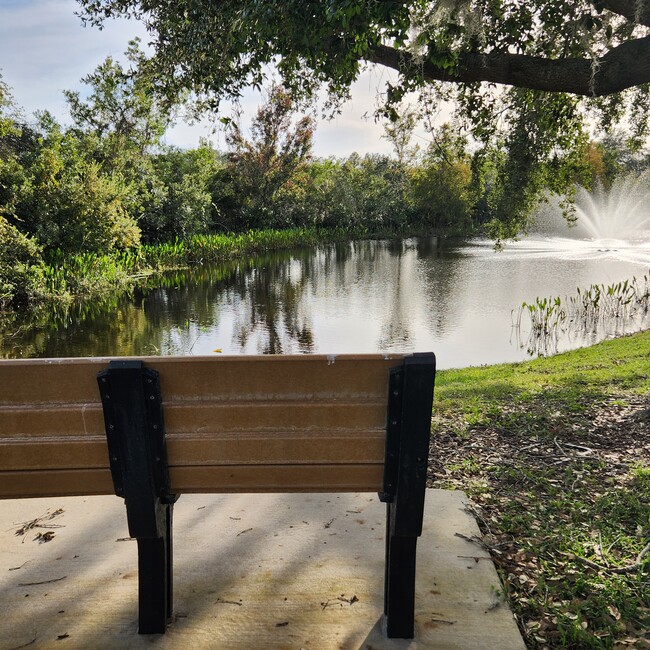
(44, 49)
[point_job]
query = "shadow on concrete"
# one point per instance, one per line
(250, 571)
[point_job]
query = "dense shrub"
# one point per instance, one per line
(21, 267)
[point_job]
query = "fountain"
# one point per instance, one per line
(605, 216)
(622, 212)
(612, 223)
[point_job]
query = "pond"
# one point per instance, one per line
(363, 296)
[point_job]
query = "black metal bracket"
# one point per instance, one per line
(133, 416)
(135, 433)
(408, 429)
(393, 430)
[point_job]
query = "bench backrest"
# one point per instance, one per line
(234, 424)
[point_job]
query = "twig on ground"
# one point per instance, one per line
(25, 526)
(560, 447)
(482, 543)
(227, 602)
(246, 530)
(42, 582)
(530, 446)
(600, 549)
(637, 565)
(24, 645)
(339, 599)
(582, 447)
(611, 546)
(618, 569)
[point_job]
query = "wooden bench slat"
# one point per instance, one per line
(50, 453)
(272, 416)
(278, 478)
(251, 448)
(55, 483)
(77, 420)
(185, 480)
(363, 447)
(58, 421)
(231, 379)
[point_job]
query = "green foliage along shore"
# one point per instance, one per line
(93, 206)
(67, 277)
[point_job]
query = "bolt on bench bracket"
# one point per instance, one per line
(135, 433)
(408, 429)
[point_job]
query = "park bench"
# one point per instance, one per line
(303, 423)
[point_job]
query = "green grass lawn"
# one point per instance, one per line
(555, 456)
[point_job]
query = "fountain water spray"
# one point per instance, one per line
(621, 212)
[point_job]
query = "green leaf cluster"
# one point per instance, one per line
(526, 78)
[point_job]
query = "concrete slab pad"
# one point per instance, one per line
(250, 571)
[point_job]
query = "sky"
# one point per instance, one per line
(44, 50)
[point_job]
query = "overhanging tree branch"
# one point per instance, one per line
(623, 67)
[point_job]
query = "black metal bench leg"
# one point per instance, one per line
(405, 471)
(135, 433)
(387, 559)
(170, 561)
(152, 584)
(400, 596)
(155, 581)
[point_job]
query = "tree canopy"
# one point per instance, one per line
(584, 47)
(590, 48)
(524, 76)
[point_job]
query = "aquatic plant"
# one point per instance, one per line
(619, 302)
(617, 307)
(546, 314)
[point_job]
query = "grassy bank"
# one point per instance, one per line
(555, 455)
(68, 277)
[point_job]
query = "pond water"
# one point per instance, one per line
(365, 296)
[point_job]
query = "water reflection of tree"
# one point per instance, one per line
(117, 325)
(395, 330)
(269, 297)
(392, 276)
(418, 272)
(266, 292)
(269, 303)
(442, 286)
(388, 276)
